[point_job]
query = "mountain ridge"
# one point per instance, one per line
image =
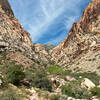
(69, 71)
(82, 38)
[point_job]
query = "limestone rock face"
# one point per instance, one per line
(6, 7)
(14, 38)
(20, 59)
(41, 53)
(12, 35)
(49, 47)
(83, 38)
(10, 29)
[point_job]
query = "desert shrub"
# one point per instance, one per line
(74, 90)
(10, 94)
(3, 53)
(52, 62)
(55, 97)
(38, 78)
(4, 82)
(11, 72)
(95, 91)
(15, 74)
(98, 67)
(57, 70)
(2, 56)
(29, 74)
(41, 80)
(92, 76)
(57, 84)
(4, 67)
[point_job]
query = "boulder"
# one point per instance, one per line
(70, 98)
(3, 44)
(33, 90)
(87, 83)
(95, 98)
(1, 82)
(69, 78)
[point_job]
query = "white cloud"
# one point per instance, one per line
(69, 21)
(57, 40)
(37, 15)
(51, 9)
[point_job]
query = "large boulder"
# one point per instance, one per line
(86, 83)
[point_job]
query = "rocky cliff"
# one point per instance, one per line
(80, 50)
(14, 38)
(12, 33)
(6, 7)
(83, 40)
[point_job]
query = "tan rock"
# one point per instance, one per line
(20, 59)
(69, 78)
(1, 82)
(87, 83)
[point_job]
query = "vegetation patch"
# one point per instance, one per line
(75, 90)
(55, 97)
(57, 70)
(10, 94)
(95, 91)
(41, 81)
(92, 76)
(15, 75)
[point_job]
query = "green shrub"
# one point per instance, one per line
(4, 82)
(95, 91)
(52, 62)
(29, 74)
(92, 76)
(56, 70)
(15, 75)
(57, 84)
(55, 97)
(10, 94)
(41, 80)
(74, 90)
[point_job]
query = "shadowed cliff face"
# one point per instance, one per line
(83, 37)
(6, 7)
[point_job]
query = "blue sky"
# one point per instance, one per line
(48, 21)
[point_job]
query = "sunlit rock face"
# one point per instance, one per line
(83, 37)
(12, 34)
(14, 38)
